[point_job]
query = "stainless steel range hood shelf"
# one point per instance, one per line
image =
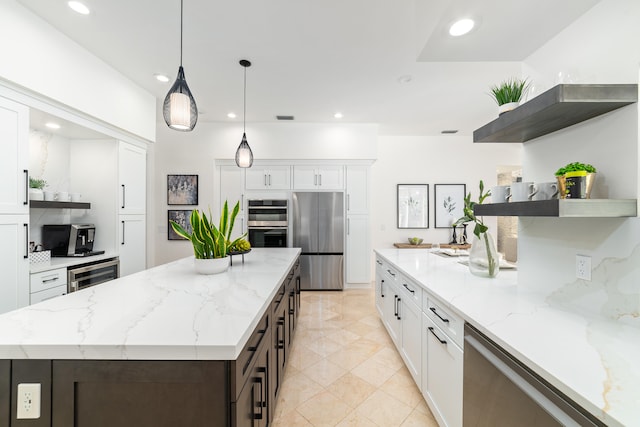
(560, 107)
(563, 208)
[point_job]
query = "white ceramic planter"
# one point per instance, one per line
(211, 266)
(507, 107)
(36, 194)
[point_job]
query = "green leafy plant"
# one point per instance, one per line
(37, 183)
(509, 91)
(576, 166)
(480, 230)
(208, 240)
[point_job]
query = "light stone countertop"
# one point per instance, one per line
(168, 312)
(592, 359)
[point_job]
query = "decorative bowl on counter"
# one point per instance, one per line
(415, 240)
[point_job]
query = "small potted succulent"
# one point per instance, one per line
(35, 188)
(575, 180)
(509, 93)
(211, 244)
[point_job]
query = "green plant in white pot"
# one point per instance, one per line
(211, 244)
(509, 93)
(36, 187)
(483, 256)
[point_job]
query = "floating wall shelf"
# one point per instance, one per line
(58, 205)
(560, 107)
(563, 208)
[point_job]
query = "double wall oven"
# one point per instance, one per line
(268, 223)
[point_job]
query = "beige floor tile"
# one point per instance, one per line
(351, 389)
(324, 409)
(419, 419)
(302, 357)
(373, 372)
(324, 346)
(293, 418)
(324, 372)
(384, 409)
(348, 359)
(402, 387)
(359, 327)
(354, 419)
(388, 356)
(296, 390)
(343, 337)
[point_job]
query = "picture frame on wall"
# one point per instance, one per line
(182, 190)
(448, 204)
(181, 217)
(413, 206)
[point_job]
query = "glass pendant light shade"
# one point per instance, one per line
(244, 155)
(179, 110)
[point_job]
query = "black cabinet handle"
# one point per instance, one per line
(408, 288)
(123, 194)
(26, 187)
(436, 313)
(378, 262)
(26, 241)
(258, 381)
(395, 305)
(382, 288)
(122, 243)
(393, 274)
(435, 335)
(398, 309)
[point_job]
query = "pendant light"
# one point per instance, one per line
(244, 156)
(179, 110)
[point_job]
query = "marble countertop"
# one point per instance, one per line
(593, 360)
(168, 312)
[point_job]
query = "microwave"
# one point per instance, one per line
(65, 240)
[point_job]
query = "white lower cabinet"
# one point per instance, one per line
(390, 303)
(380, 287)
(132, 244)
(47, 285)
(442, 373)
(14, 262)
(358, 260)
(411, 350)
(48, 294)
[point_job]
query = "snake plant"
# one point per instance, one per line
(208, 240)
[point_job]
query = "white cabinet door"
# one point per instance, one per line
(390, 306)
(358, 256)
(442, 374)
(14, 161)
(357, 189)
(411, 352)
(47, 294)
(380, 288)
(132, 173)
(132, 244)
(271, 178)
(331, 178)
(232, 187)
(14, 262)
(318, 177)
(305, 178)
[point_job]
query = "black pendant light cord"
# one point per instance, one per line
(244, 112)
(181, 6)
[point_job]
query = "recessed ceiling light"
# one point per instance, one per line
(79, 7)
(52, 125)
(461, 27)
(231, 115)
(161, 78)
(338, 115)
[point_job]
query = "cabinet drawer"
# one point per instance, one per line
(48, 279)
(392, 274)
(410, 291)
(450, 323)
(241, 368)
(58, 291)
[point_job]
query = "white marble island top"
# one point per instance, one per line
(168, 312)
(593, 360)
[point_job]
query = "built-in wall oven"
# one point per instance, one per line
(501, 391)
(268, 223)
(93, 273)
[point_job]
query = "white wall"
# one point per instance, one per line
(602, 47)
(38, 57)
(197, 151)
(430, 160)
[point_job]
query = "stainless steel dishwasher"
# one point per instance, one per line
(92, 273)
(501, 391)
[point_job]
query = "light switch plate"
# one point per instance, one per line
(28, 401)
(583, 267)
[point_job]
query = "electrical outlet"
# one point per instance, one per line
(583, 267)
(28, 401)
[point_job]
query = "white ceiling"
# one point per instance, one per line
(313, 58)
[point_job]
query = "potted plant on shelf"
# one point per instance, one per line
(483, 257)
(508, 94)
(35, 188)
(211, 244)
(575, 180)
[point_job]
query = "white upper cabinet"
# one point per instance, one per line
(268, 178)
(132, 172)
(232, 187)
(318, 177)
(14, 139)
(357, 190)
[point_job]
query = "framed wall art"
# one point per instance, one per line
(182, 218)
(413, 205)
(449, 203)
(182, 189)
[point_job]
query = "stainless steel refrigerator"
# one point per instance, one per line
(318, 228)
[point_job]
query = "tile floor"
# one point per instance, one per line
(344, 369)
